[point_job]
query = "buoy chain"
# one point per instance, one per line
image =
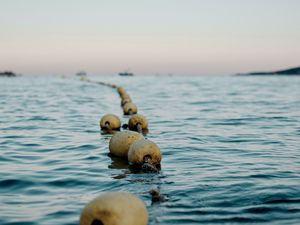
(133, 146)
(111, 123)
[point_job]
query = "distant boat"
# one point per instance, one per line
(126, 74)
(81, 74)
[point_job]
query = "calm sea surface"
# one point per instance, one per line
(230, 145)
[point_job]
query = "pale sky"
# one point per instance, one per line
(182, 37)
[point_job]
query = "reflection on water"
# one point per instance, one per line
(118, 163)
(230, 148)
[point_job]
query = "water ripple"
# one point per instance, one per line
(230, 149)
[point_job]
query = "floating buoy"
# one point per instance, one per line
(121, 91)
(110, 122)
(115, 208)
(138, 123)
(129, 108)
(119, 143)
(125, 100)
(145, 152)
(125, 96)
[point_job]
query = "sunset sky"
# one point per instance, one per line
(183, 37)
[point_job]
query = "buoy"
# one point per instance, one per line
(119, 143)
(125, 100)
(125, 96)
(121, 91)
(129, 108)
(115, 208)
(110, 122)
(138, 123)
(145, 153)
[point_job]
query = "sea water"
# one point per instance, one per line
(230, 146)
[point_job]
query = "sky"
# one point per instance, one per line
(181, 37)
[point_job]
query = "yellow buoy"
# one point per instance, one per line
(125, 96)
(121, 90)
(110, 122)
(119, 143)
(125, 100)
(144, 151)
(115, 208)
(138, 123)
(130, 108)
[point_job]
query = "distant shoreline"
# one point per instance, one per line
(287, 72)
(8, 74)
